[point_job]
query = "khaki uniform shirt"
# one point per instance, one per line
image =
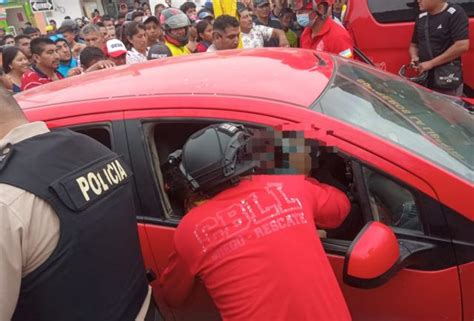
(29, 232)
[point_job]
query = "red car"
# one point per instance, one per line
(404, 155)
(382, 30)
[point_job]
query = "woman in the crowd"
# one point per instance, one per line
(204, 35)
(15, 65)
(138, 42)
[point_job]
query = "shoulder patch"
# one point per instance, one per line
(92, 182)
(451, 10)
(421, 15)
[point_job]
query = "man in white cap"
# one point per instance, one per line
(116, 51)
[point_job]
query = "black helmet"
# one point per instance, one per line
(216, 155)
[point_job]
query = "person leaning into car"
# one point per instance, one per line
(444, 41)
(252, 239)
(69, 248)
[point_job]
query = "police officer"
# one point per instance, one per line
(69, 248)
(321, 32)
(253, 240)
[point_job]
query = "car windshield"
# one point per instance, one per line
(428, 124)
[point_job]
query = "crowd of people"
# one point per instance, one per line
(137, 34)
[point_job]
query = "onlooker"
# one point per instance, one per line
(32, 32)
(176, 26)
(46, 61)
(103, 30)
(158, 51)
(205, 14)
(96, 16)
(264, 17)
(136, 36)
(120, 19)
(138, 16)
(23, 42)
(66, 61)
(92, 59)
(440, 37)
(2, 33)
(15, 63)
(286, 19)
(204, 35)
(53, 23)
(70, 31)
(189, 8)
(153, 30)
(321, 32)
(111, 33)
(226, 30)
(116, 52)
(339, 9)
(254, 36)
(8, 40)
(158, 8)
(107, 20)
(93, 37)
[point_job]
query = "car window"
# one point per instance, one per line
(390, 202)
(164, 138)
(100, 133)
(393, 11)
(425, 123)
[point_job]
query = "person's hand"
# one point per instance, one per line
(103, 64)
(284, 42)
(74, 71)
(192, 46)
(425, 66)
(415, 60)
(76, 50)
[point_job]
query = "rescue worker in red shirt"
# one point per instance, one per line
(253, 240)
(321, 32)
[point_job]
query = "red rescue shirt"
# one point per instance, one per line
(332, 38)
(34, 77)
(256, 248)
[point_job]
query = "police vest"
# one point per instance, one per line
(96, 272)
(177, 51)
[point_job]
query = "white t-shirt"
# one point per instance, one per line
(256, 36)
(134, 57)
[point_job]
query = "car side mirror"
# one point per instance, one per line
(376, 255)
(373, 256)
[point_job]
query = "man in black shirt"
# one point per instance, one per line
(263, 16)
(448, 27)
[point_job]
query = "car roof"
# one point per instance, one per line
(293, 76)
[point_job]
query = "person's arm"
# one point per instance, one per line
(102, 64)
(280, 35)
(413, 50)
(176, 281)
(330, 207)
(10, 261)
(453, 52)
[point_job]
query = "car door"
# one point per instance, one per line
(382, 30)
(427, 288)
